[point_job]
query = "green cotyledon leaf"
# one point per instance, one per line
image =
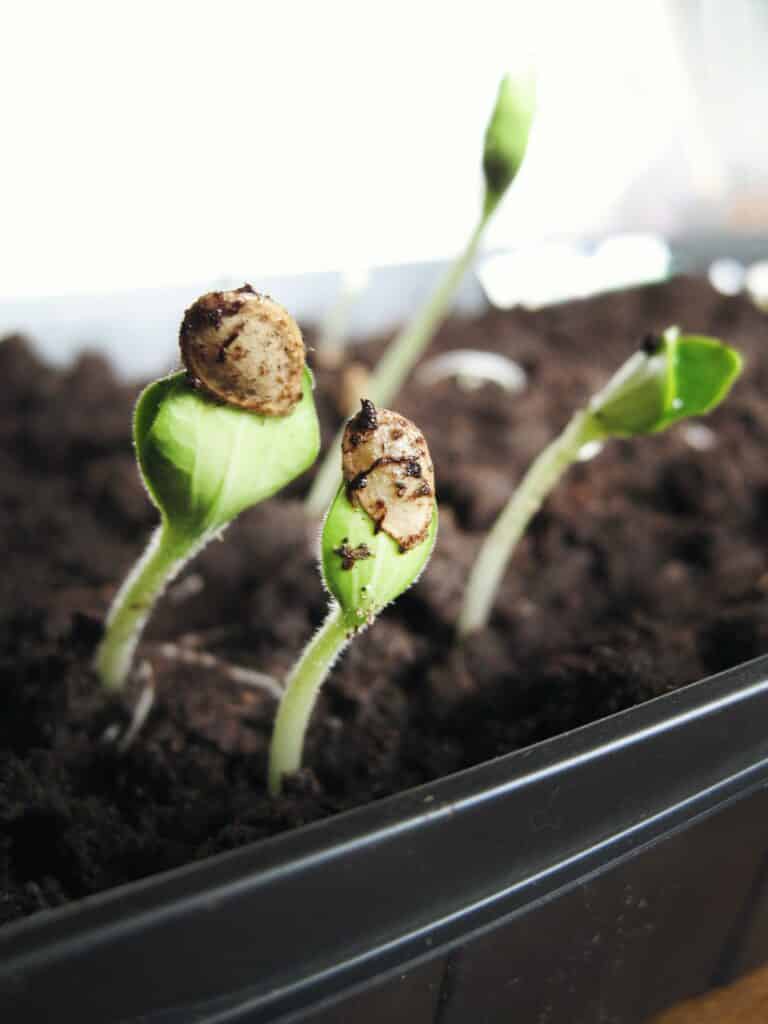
(203, 462)
(674, 377)
(364, 569)
(507, 134)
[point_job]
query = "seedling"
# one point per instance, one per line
(671, 378)
(377, 538)
(506, 142)
(233, 429)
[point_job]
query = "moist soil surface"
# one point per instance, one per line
(645, 570)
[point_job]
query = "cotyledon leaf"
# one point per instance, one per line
(365, 570)
(203, 462)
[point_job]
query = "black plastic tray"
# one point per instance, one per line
(598, 876)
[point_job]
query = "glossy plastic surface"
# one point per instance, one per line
(614, 866)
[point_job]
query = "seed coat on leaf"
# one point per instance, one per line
(244, 349)
(388, 472)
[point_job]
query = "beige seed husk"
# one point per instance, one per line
(389, 473)
(243, 348)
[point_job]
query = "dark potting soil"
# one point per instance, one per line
(647, 569)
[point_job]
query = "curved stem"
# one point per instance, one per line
(301, 692)
(398, 361)
(499, 544)
(165, 556)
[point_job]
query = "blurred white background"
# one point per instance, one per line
(156, 144)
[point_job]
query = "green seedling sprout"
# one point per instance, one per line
(232, 430)
(506, 142)
(376, 539)
(669, 379)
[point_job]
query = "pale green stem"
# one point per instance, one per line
(301, 692)
(327, 480)
(401, 356)
(165, 556)
(398, 361)
(497, 548)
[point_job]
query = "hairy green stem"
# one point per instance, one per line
(301, 692)
(399, 359)
(166, 555)
(497, 548)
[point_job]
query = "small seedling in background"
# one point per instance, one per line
(506, 142)
(377, 538)
(233, 429)
(669, 379)
(334, 330)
